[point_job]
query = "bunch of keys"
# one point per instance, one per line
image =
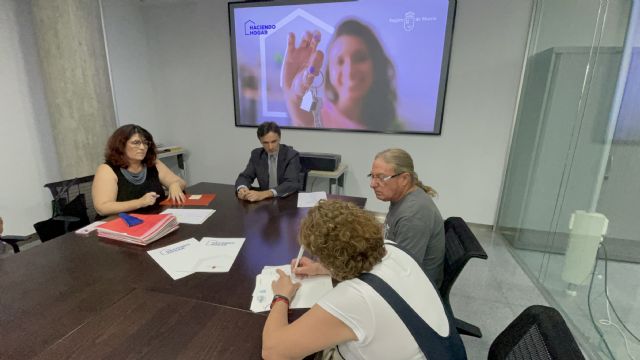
(310, 100)
(312, 103)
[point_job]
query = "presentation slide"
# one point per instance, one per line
(367, 65)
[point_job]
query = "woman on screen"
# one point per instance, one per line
(359, 90)
(132, 177)
(353, 319)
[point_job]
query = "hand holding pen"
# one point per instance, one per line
(307, 267)
(148, 199)
(296, 263)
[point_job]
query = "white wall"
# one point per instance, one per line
(28, 157)
(189, 59)
(128, 61)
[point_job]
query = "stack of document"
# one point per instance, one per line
(207, 255)
(152, 228)
(311, 289)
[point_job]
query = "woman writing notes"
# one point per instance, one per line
(359, 91)
(354, 320)
(132, 177)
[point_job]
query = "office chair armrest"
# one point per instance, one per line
(13, 240)
(13, 237)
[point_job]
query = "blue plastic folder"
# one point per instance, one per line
(130, 220)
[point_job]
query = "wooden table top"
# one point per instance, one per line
(146, 324)
(74, 288)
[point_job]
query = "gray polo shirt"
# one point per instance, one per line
(415, 223)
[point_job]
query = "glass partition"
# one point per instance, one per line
(571, 179)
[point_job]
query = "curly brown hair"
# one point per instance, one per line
(347, 240)
(115, 153)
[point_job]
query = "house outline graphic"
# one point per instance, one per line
(263, 57)
(247, 25)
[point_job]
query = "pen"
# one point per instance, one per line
(293, 274)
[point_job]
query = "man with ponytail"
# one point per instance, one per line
(413, 220)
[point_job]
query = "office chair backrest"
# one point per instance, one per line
(538, 333)
(72, 208)
(66, 191)
(460, 246)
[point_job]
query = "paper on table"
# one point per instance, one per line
(190, 216)
(217, 254)
(311, 199)
(311, 289)
(191, 200)
(262, 295)
(175, 258)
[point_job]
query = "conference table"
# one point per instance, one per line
(84, 297)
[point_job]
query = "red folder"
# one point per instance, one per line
(154, 226)
(204, 200)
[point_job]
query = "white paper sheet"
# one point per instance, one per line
(310, 199)
(217, 254)
(190, 216)
(311, 289)
(177, 259)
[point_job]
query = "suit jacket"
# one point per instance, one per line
(258, 167)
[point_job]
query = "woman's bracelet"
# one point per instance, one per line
(277, 298)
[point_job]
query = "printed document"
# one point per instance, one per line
(311, 289)
(217, 254)
(190, 216)
(310, 199)
(177, 259)
(207, 255)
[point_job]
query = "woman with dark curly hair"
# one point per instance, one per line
(359, 79)
(354, 321)
(132, 177)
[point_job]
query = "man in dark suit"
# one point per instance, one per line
(276, 166)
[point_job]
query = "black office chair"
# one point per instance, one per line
(67, 190)
(460, 246)
(538, 333)
(72, 207)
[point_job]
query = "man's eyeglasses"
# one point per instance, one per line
(382, 178)
(137, 143)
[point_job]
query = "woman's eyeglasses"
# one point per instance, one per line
(138, 143)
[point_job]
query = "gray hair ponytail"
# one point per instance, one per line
(402, 163)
